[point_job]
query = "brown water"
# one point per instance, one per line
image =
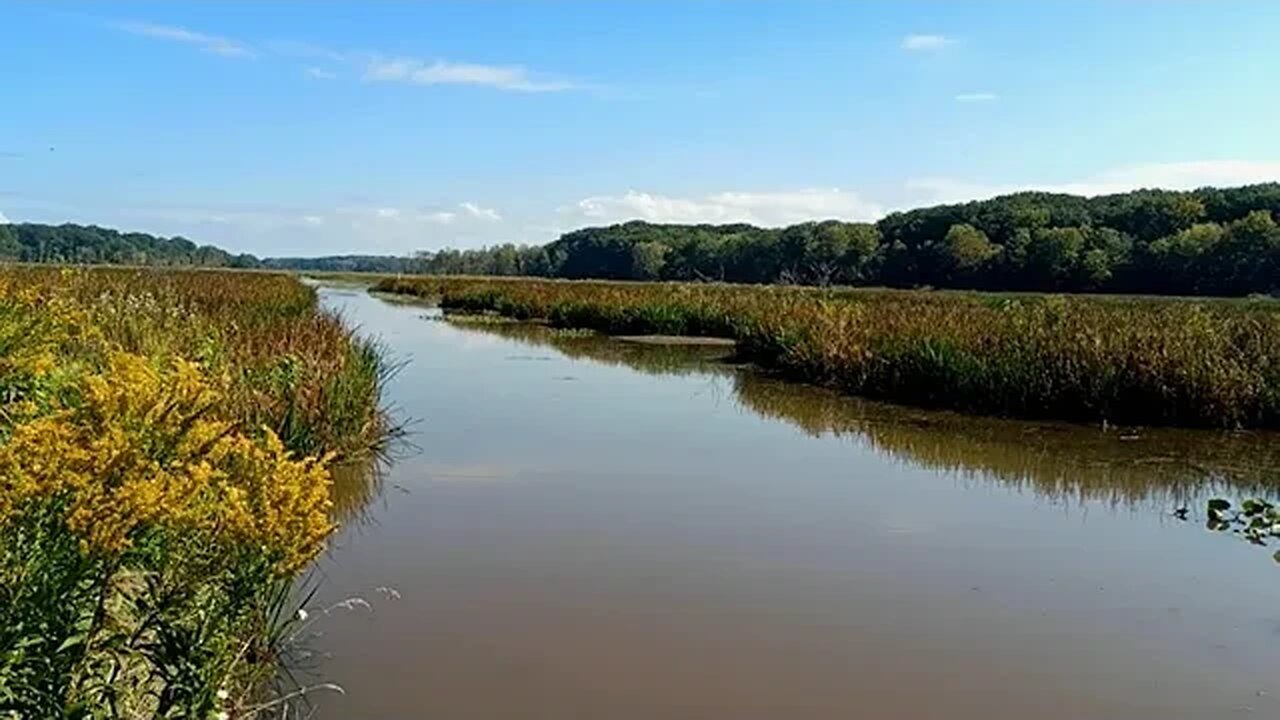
(594, 529)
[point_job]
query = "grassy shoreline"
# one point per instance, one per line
(1139, 361)
(166, 441)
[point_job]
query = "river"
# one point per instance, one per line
(587, 528)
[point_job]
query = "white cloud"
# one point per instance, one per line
(1189, 175)
(480, 213)
(373, 66)
(976, 97)
(1169, 176)
(313, 219)
(305, 50)
(3, 220)
(761, 208)
(440, 217)
(773, 209)
(924, 42)
(209, 43)
(502, 77)
(387, 212)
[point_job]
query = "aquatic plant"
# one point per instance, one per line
(1255, 520)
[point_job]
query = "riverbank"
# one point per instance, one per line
(1073, 358)
(164, 476)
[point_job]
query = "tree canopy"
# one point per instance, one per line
(1207, 241)
(90, 244)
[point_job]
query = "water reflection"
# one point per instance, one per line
(356, 485)
(1160, 466)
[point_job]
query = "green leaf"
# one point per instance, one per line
(1254, 507)
(1219, 505)
(70, 642)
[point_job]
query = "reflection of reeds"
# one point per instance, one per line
(1055, 459)
(651, 359)
(355, 487)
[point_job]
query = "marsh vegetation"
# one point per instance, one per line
(1098, 360)
(166, 444)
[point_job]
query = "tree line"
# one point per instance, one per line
(1207, 241)
(1211, 241)
(93, 245)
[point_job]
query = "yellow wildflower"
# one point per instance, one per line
(139, 452)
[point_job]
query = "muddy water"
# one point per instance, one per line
(593, 529)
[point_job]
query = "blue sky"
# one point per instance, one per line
(321, 128)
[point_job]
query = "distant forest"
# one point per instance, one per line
(1204, 242)
(93, 245)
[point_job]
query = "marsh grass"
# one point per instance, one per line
(1122, 361)
(165, 449)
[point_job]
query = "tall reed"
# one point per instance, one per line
(1066, 357)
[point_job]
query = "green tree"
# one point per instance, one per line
(1106, 253)
(648, 259)
(1175, 264)
(535, 261)
(968, 251)
(506, 260)
(861, 252)
(1094, 270)
(10, 248)
(1248, 258)
(1052, 255)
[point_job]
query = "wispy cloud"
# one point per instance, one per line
(305, 50)
(215, 44)
(480, 213)
(1168, 176)
(372, 66)
(976, 97)
(3, 220)
(467, 214)
(514, 78)
(922, 42)
(762, 208)
(440, 217)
